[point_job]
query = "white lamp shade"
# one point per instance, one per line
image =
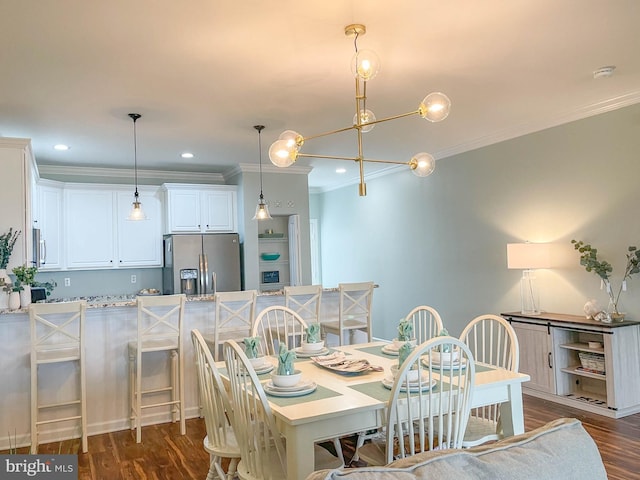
(528, 256)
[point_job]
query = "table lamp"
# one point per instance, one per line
(528, 257)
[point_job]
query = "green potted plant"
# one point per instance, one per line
(7, 242)
(25, 277)
(589, 260)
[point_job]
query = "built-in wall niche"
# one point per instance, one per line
(273, 240)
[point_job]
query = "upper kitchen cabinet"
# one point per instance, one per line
(48, 218)
(98, 235)
(16, 179)
(200, 208)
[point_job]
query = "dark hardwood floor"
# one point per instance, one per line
(164, 454)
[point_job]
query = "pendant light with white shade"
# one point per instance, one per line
(262, 209)
(136, 213)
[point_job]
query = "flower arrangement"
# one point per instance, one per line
(589, 260)
(7, 242)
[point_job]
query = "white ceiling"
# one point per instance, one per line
(203, 72)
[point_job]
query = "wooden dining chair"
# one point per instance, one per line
(305, 300)
(220, 441)
(426, 323)
(354, 312)
(492, 341)
(427, 415)
(262, 447)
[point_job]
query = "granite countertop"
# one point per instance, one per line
(102, 301)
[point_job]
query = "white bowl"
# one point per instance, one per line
(398, 343)
(445, 358)
(412, 375)
(286, 380)
(312, 347)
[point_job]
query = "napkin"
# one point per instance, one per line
(285, 360)
(446, 348)
(313, 333)
(405, 330)
(251, 346)
(404, 352)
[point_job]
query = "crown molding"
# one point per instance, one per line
(164, 176)
(253, 168)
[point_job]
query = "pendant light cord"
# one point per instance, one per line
(259, 128)
(134, 117)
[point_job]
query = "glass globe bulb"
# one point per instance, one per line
(365, 64)
(282, 154)
(366, 116)
(422, 164)
(435, 107)
(293, 138)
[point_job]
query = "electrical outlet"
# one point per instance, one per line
(67, 282)
(133, 279)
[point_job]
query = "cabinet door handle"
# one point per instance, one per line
(549, 360)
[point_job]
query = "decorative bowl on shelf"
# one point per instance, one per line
(270, 256)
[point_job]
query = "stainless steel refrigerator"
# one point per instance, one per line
(201, 264)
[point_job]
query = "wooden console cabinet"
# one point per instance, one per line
(551, 347)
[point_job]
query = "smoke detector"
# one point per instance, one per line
(604, 72)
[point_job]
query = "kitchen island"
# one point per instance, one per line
(110, 326)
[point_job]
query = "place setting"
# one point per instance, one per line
(287, 381)
(261, 364)
(445, 360)
(405, 335)
(416, 379)
(312, 346)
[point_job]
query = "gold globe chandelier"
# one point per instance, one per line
(365, 65)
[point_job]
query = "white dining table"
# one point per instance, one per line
(346, 404)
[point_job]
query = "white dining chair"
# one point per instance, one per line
(235, 314)
(426, 415)
(354, 312)
(220, 441)
(160, 329)
(262, 447)
(494, 342)
(57, 335)
(427, 323)
(277, 325)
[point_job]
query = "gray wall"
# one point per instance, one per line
(442, 240)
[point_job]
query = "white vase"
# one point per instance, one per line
(4, 300)
(25, 296)
(14, 301)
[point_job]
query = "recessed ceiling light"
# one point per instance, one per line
(61, 147)
(604, 72)
(341, 170)
(187, 155)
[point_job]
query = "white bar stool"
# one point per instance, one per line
(57, 335)
(160, 326)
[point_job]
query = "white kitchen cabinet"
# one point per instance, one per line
(17, 172)
(200, 208)
(608, 385)
(98, 235)
(89, 232)
(139, 242)
(48, 218)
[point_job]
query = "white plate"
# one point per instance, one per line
(390, 350)
(302, 354)
(387, 382)
(447, 366)
(265, 368)
(301, 385)
(270, 389)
